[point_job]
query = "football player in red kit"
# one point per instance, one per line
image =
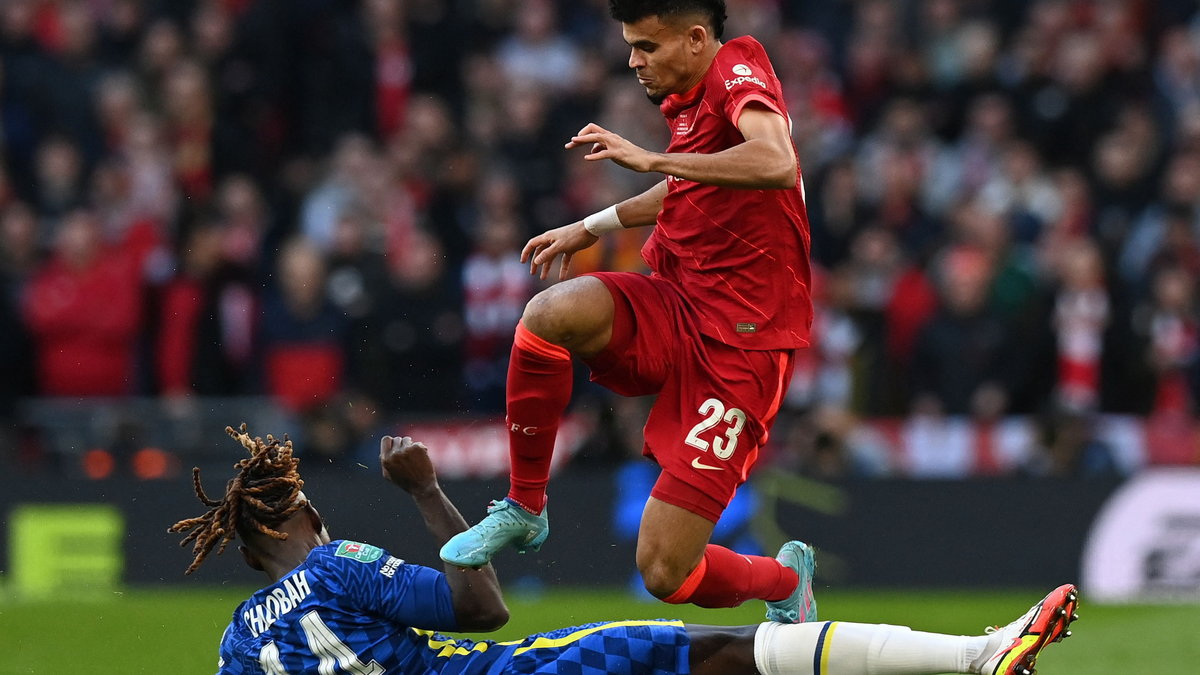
(713, 330)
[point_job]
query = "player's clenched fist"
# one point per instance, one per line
(406, 463)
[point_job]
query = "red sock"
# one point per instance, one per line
(539, 388)
(727, 579)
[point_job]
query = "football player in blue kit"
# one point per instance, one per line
(336, 606)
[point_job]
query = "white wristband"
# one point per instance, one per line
(603, 221)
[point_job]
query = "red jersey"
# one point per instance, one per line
(740, 256)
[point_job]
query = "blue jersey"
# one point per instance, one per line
(353, 608)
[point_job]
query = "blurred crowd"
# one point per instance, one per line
(324, 201)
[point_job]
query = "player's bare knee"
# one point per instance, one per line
(662, 580)
(567, 314)
(543, 315)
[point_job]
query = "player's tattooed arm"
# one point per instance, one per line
(478, 602)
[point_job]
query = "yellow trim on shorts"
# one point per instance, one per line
(543, 642)
(450, 647)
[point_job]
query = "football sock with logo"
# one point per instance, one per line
(727, 579)
(538, 391)
(841, 648)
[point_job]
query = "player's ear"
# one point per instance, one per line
(697, 37)
(314, 517)
(251, 558)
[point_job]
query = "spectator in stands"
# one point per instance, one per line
(206, 322)
(836, 213)
(303, 333)
(60, 179)
(20, 250)
(83, 309)
(892, 164)
(1081, 316)
(1121, 168)
(828, 443)
(423, 331)
(846, 358)
(191, 128)
(962, 360)
(1169, 321)
(73, 75)
(977, 158)
(141, 235)
(496, 286)
(153, 193)
(162, 48)
(524, 135)
(1069, 448)
(360, 287)
(121, 27)
(1180, 195)
(1021, 192)
(536, 55)
(344, 185)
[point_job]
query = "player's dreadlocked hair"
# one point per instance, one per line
(259, 498)
(632, 11)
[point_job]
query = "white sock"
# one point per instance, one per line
(841, 648)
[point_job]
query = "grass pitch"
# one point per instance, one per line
(155, 631)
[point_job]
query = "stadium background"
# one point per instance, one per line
(306, 214)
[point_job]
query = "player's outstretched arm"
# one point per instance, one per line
(478, 602)
(637, 211)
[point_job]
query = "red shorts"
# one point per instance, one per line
(715, 402)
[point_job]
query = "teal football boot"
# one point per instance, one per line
(800, 606)
(506, 523)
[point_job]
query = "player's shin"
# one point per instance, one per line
(539, 388)
(727, 579)
(840, 648)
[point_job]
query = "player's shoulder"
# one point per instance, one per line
(742, 47)
(343, 556)
(233, 642)
(344, 550)
(742, 66)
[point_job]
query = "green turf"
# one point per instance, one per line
(149, 631)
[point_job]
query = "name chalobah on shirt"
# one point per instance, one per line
(283, 599)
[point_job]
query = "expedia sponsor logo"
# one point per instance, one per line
(741, 69)
(730, 84)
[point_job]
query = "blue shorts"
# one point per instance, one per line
(642, 647)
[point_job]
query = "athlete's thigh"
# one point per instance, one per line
(710, 420)
(671, 536)
(650, 323)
